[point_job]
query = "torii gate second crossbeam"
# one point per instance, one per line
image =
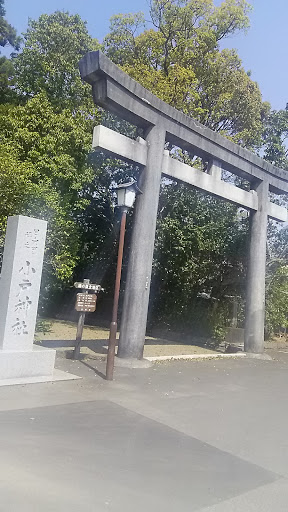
(117, 92)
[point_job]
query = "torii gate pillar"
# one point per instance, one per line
(255, 288)
(136, 299)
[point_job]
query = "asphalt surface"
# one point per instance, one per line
(206, 436)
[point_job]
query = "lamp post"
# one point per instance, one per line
(126, 194)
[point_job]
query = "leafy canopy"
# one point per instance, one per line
(200, 249)
(48, 160)
(8, 35)
(275, 138)
(54, 44)
(179, 59)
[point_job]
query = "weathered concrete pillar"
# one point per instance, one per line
(136, 300)
(255, 295)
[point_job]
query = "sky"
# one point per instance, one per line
(264, 50)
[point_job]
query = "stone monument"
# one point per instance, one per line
(19, 293)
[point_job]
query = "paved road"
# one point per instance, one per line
(188, 436)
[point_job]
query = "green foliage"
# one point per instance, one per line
(120, 44)
(277, 279)
(45, 172)
(275, 151)
(54, 44)
(15, 183)
(275, 138)
(51, 134)
(277, 300)
(217, 319)
(180, 61)
(7, 93)
(8, 35)
(200, 250)
(43, 326)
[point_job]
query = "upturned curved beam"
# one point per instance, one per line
(119, 93)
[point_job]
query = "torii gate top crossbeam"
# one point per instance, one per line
(117, 92)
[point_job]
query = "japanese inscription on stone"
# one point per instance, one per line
(23, 297)
(20, 281)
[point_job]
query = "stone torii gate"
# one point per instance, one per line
(117, 92)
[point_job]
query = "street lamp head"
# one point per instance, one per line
(126, 193)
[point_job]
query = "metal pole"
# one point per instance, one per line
(79, 335)
(113, 325)
(80, 328)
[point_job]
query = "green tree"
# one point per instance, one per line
(275, 138)
(277, 298)
(15, 187)
(45, 152)
(50, 135)
(179, 59)
(53, 46)
(8, 34)
(277, 277)
(200, 251)
(8, 94)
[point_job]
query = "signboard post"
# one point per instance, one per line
(85, 303)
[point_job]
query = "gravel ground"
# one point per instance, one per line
(61, 335)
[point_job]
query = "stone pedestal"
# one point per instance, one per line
(38, 362)
(19, 293)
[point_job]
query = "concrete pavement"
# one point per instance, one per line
(206, 436)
